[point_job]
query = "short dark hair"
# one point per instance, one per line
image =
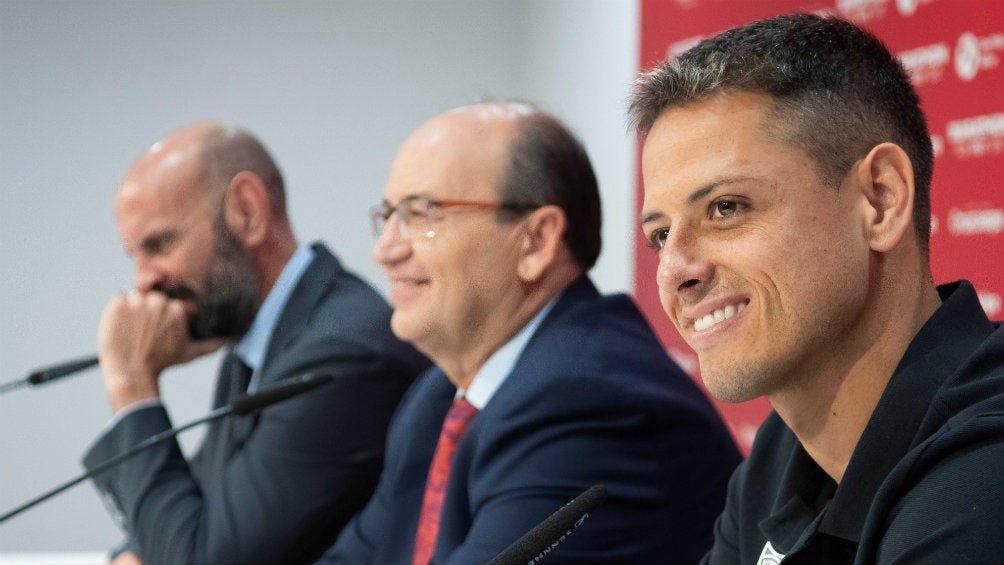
(837, 92)
(548, 165)
(228, 151)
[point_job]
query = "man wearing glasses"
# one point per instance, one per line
(489, 223)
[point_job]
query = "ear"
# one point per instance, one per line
(542, 240)
(247, 209)
(886, 179)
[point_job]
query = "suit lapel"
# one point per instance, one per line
(316, 282)
(229, 435)
(224, 436)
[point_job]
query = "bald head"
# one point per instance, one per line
(204, 157)
(471, 142)
(531, 159)
(202, 213)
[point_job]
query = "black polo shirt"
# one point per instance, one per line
(925, 483)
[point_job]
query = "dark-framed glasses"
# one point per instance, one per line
(417, 215)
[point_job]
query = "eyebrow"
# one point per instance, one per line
(696, 196)
(154, 240)
(412, 196)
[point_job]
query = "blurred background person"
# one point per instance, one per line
(203, 215)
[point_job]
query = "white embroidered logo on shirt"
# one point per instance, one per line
(770, 556)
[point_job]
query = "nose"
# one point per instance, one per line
(684, 269)
(148, 276)
(391, 247)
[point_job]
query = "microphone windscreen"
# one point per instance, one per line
(545, 536)
(61, 370)
(289, 388)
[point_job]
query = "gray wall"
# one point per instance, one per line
(331, 87)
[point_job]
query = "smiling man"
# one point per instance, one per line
(489, 223)
(203, 215)
(787, 170)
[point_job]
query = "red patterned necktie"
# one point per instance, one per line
(456, 421)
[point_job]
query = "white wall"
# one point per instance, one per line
(332, 88)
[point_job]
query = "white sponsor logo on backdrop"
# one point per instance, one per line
(907, 7)
(938, 144)
(926, 64)
(862, 11)
(976, 222)
(991, 302)
(976, 136)
(685, 359)
(974, 54)
(677, 48)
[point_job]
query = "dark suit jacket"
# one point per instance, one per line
(299, 469)
(592, 399)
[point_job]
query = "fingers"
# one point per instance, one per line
(140, 335)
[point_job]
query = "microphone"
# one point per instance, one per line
(241, 406)
(534, 545)
(52, 372)
(248, 403)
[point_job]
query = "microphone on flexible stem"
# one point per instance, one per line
(242, 406)
(534, 545)
(51, 373)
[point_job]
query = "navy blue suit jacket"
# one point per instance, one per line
(592, 399)
(276, 487)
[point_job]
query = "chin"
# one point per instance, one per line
(404, 326)
(731, 384)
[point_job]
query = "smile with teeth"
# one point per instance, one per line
(717, 316)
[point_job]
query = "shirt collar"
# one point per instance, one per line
(927, 364)
(252, 347)
(495, 371)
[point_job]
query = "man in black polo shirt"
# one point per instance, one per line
(787, 169)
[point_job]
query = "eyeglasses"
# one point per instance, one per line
(418, 214)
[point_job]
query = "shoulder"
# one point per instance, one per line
(964, 424)
(942, 500)
(946, 494)
(340, 288)
(335, 315)
(596, 365)
(961, 449)
(961, 435)
(602, 349)
(597, 333)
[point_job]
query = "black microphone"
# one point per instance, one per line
(536, 544)
(247, 403)
(52, 372)
(241, 406)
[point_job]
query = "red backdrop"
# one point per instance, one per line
(953, 50)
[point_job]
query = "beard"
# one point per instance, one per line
(228, 303)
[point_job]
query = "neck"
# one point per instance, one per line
(271, 258)
(829, 409)
(463, 362)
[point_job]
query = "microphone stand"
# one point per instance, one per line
(12, 385)
(166, 434)
(51, 373)
(241, 406)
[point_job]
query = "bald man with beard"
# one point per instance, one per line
(203, 216)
